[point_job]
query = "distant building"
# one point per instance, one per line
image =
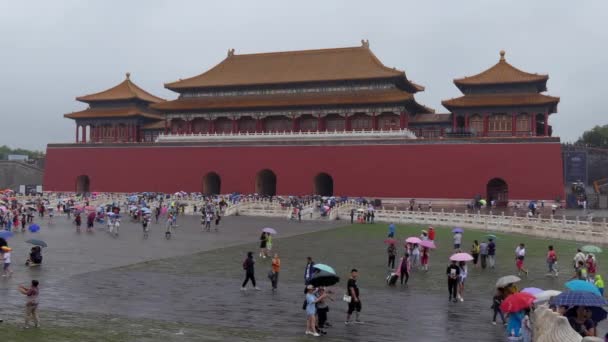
(328, 121)
(17, 157)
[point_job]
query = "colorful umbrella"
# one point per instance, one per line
(390, 241)
(269, 230)
(324, 268)
(457, 230)
(461, 257)
(532, 290)
(581, 285)
(591, 249)
(413, 239)
(36, 242)
(5, 234)
(546, 295)
(572, 298)
(517, 302)
(324, 279)
(34, 228)
(428, 244)
(506, 280)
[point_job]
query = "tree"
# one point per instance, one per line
(595, 137)
(5, 151)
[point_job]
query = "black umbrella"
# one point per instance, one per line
(323, 278)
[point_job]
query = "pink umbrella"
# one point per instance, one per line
(413, 239)
(428, 244)
(461, 257)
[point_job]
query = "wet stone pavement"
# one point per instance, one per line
(126, 277)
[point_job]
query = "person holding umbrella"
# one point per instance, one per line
(581, 322)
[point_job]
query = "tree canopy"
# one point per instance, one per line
(5, 151)
(595, 137)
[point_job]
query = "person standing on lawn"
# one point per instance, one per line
(491, 253)
(483, 254)
(276, 267)
(391, 251)
(552, 262)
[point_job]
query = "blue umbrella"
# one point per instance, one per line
(326, 268)
(34, 228)
(5, 234)
(577, 298)
(581, 285)
(457, 230)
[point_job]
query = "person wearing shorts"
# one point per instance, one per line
(31, 305)
(355, 301)
(520, 254)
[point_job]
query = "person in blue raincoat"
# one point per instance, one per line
(391, 230)
(514, 324)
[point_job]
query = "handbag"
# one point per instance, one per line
(347, 298)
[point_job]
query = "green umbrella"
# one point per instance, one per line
(491, 236)
(482, 201)
(591, 249)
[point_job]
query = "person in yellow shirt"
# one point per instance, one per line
(599, 282)
(274, 273)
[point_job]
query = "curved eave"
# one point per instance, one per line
(495, 101)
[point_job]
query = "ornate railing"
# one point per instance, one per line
(295, 135)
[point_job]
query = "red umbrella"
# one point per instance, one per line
(390, 241)
(517, 302)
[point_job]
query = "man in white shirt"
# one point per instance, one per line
(579, 256)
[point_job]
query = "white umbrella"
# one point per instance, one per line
(544, 296)
(506, 280)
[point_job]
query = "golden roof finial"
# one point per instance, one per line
(502, 55)
(128, 74)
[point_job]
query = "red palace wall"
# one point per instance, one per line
(448, 170)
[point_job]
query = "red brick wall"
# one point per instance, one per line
(531, 170)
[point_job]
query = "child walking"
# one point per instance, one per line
(6, 258)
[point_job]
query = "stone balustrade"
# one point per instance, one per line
(291, 135)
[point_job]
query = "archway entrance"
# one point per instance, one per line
(498, 191)
(212, 184)
(324, 184)
(266, 183)
(83, 184)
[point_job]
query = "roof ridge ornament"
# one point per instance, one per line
(230, 52)
(502, 55)
(128, 75)
(365, 43)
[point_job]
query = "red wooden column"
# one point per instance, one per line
(294, 124)
(211, 126)
(258, 125)
(84, 134)
(533, 124)
(486, 118)
(374, 121)
(115, 133)
(347, 123)
(453, 122)
(320, 123)
(77, 131)
(546, 123)
(513, 124)
(235, 125)
(403, 122)
(166, 126)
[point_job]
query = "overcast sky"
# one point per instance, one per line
(53, 51)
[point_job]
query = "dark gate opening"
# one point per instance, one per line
(266, 183)
(212, 184)
(83, 184)
(498, 191)
(324, 185)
